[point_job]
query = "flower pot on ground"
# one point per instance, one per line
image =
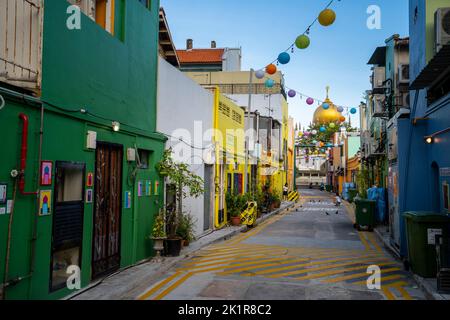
(235, 205)
(172, 247)
(158, 234)
(185, 229)
(236, 221)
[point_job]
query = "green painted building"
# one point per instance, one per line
(77, 168)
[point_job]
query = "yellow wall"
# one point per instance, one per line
(227, 116)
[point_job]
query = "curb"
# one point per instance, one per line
(172, 261)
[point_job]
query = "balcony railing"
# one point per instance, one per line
(20, 43)
(255, 89)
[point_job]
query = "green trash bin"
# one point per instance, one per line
(365, 214)
(421, 229)
(352, 193)
(328, 187)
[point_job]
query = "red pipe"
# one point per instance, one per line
(23, 155)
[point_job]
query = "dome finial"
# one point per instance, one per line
(328, 90)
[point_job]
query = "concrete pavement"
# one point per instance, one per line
(311, 252)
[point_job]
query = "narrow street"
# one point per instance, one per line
(311, 252)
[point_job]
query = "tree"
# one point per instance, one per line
(187, 184)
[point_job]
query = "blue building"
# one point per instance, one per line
(424, 136)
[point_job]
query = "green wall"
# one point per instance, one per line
(114, 78)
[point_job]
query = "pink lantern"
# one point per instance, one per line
(310, 101)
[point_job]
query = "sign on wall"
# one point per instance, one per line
(45, 202)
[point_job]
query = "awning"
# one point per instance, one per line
(378, 57)
(437, 67)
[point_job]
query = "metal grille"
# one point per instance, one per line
(108, 186)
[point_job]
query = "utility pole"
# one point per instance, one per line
(247, 142)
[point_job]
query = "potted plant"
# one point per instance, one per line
(187, 184)
(232, 203)
(276, 200)
(186, 229)
(159, 233)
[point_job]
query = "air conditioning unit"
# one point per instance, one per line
(442, 28)
(379, 77)
(378, 106)
(403, 73)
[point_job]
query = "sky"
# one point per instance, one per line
(337, 56)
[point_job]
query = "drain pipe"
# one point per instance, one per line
(23, 156)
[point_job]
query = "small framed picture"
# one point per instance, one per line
(45, 202)
(89, 196)
(46, 173)
(90, 180)
(3, 193)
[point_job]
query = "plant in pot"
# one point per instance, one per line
(276, 200)
(232, 203)
(186, 184)
(186, 229)
(158, 234)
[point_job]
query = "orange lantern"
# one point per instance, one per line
(271, 69)
(327, 17)
(342, 119)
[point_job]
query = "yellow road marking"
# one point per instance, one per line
(388, 293)
(256, 259)
(359, 275)
(403, 292)
(242, 253)
(158, 286)
(393, 277)
(328, 266)
(239, 264)
(261, 266)
(297, 266)
(364, 241)
(173, 286)
(374, 242)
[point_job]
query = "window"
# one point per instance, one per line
(144, 156)
(145, 3)
(441, 89)
(100, 11)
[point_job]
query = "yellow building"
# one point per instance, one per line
(229, 139)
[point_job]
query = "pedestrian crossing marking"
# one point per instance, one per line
(393, 277)
(160, 285)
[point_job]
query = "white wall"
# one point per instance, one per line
(184, 105)
(232, 59)
(261, 103)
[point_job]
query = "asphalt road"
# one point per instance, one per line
(309, 253)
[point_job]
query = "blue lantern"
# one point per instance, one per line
(284, 58)
(340, 109)
(269, 83)
(323, 129)
(325, 106)
(353, 110)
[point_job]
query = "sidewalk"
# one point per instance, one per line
(429, 285)
(128, 283)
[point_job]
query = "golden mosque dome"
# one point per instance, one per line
(322, 116)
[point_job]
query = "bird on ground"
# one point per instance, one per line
(327, 213)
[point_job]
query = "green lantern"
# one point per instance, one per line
(332, 125)
(302, 42)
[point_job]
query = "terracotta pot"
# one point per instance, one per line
(236, 221)
(186, 243)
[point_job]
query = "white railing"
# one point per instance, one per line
(20, 43)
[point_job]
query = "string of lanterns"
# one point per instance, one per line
(326, 18)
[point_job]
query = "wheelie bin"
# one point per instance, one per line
(365, 214)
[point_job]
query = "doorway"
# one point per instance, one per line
(107, 209)
(209, 196)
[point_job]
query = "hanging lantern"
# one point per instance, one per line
(284, 58)
(340, 109)
(353, 110)
(325, 106)
(327, 17)
(321, 144)
(332, 125)
(271, 69)
(292, 93)
(323, 129)
(342, 119)
(269, 83)
(260, 74)
(314, 132)
(302, 42)
(310, 101)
